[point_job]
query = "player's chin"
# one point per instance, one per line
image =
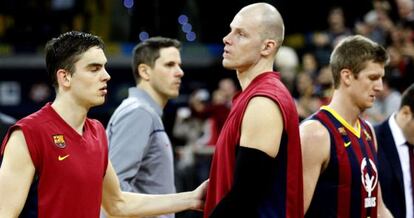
(369, 105)
(227, 64)
(100, 101)
(174, 94)
(371, 101)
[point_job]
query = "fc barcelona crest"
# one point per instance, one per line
(342, 131)
(59, 141)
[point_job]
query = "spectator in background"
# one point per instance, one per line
(187, 127)
(324, 85)
(139, 147)
(200, 126)
(287, 63)
(371, 26)
(310, 65)
(229, 89)
(401, 66)
(215, 113)
(337, 26)
(406, 11)
(306, 102)
(323, 42)
(395, 138)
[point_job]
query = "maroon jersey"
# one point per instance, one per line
(285, 199)
(69, 167)
(349, 185)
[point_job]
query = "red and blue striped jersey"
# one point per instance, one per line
(349, 185)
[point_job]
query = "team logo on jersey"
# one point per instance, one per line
(342, 130)
(367, 135)
(59, 140)
(369, 177)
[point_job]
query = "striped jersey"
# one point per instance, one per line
(349, 185)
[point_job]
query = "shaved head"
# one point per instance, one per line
(269, 20)
(256, 34)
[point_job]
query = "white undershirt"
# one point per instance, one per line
(402, 149)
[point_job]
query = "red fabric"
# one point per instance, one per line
(290, 191)
(70, 167)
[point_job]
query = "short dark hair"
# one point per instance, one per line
(148, 51)
(408, 98)
(64, 51)
(353, 53)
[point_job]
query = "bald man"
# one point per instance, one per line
(257, 169)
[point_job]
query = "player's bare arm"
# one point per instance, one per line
(315, 144)
(262, 126)
(16, 175)
(118, 203)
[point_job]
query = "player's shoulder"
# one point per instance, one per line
(313, 130)
(262, 106)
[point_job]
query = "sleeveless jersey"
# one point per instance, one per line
(69, 168)
(285, 199)
(348, 187)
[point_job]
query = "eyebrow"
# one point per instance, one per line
(236, 28)
(172, 62)
(376, 74)
(95, 65)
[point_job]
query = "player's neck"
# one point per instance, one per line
(73, 114)
(247, 75)
(345, 108)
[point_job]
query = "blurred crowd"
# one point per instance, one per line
(197, 126)
(306, 70)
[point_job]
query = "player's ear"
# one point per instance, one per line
(63, 77)
(347, 76)
(269, 46)
(144, 71)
